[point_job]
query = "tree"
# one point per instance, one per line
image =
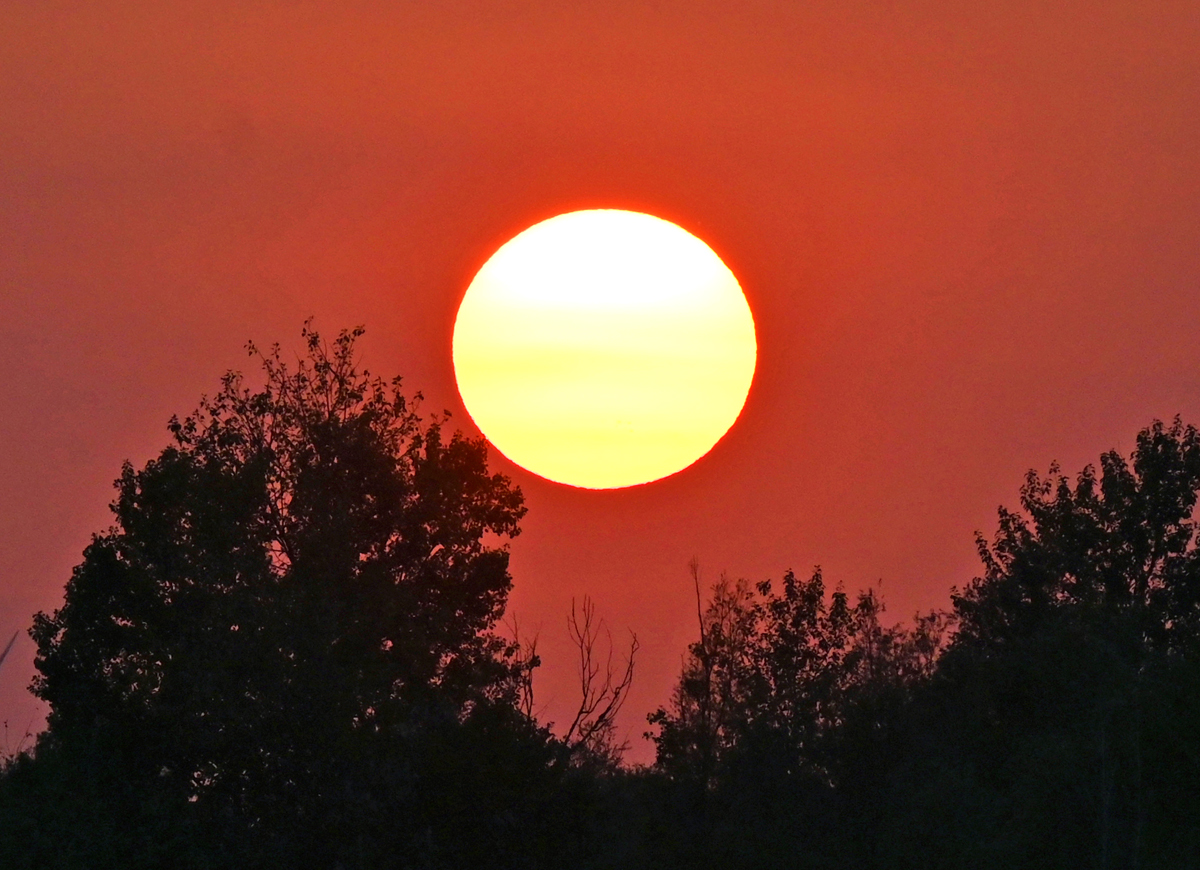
(780, 728)
(719, 690)
(1063, 725)
(289, 625)
(1118, 549)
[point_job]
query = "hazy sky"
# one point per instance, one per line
(969, 233)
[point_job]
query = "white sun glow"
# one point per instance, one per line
(604, 349)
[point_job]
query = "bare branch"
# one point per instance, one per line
(704, 654)
(694, 568)
(602, 687)
(526, 660)
(8, 648)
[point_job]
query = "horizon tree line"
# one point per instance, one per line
(285, 653)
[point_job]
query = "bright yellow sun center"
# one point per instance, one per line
(604, 349)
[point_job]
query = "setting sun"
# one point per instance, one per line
(604, 348)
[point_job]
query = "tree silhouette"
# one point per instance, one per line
(282, 654)
(1063, 725)
(287, 636)
(779, 730)
(1051, 718)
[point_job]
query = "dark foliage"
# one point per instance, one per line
(1050, 719)
(282, 655)
(1063, 723)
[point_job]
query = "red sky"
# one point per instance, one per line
(969, 233)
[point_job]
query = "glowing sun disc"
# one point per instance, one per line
(604, 348)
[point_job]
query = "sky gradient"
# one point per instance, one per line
(969, 234)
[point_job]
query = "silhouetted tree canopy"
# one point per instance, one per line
(282, 654)
(782, 711)
(288, 629)
(1116, 550)
(314, 530)
(1050, 718)
(1063, 725)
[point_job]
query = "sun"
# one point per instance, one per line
(604, 349)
